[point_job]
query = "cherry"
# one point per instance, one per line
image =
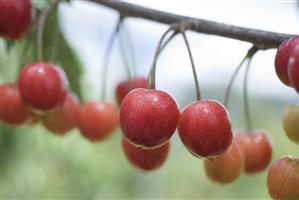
(124, 87)
(205, 128)
(65, 118)
(42, 85)
(15, 18)
(97, 120)
(294, 68)
(227, 167)
(148, 118)
(257, 150)
(283, 179)
(290, 122)
(145, 159)
(283, 54)
(13, 110)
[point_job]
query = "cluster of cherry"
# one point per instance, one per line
(287, 69)
(283, 175)
(149, 117)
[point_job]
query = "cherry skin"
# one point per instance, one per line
(282, 57)
(13, 110)
(290, 122)
(205, 128)
(15, 18)
(145, 159)
(257, 150)
(124, 87)
(227, 167)
(65, 118)
(97, 120)
(294, 68)
(283, 179)
(148, 118)
(42, 85)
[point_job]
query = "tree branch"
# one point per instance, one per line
(260, 38)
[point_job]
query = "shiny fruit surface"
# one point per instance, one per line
(205, 128)
(148, 118)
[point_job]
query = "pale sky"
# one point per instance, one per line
(87, 27)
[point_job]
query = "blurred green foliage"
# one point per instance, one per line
(36, 164)
(15, 54)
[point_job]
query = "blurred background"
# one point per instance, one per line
(36, 164)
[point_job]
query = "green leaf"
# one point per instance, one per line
(57, 50)
(39, 4)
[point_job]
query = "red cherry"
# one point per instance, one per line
(205, 128)
(148, 117)
(12, 108)
(257, 150)
(124, 87)
(145, 159)
(227, 167)
(15, 18)
(283, 54)
(97, 120)
(65, 118)
(294, 68)
(42, 85)
(283, 179)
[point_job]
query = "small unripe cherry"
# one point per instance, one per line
(65, 118)
(145, 159)
(42, 85)
(13, 110)
(15, 18)
(148, 118)
(205, 128)
(124, 87)
(283, 179)
(256, 148)
(227, 167)
(282, 57)
(294, 68)
(290, 122)
(97, 120)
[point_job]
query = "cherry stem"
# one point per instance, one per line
(41, 26)
(106, 59)
(249, 53)
(126, 33)
(177, 27)
(123, 53)
(245, 93)
(55, 45)
(152, 75)
(231, 81)
(107, 55)
(161, 49)
(198, 97)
